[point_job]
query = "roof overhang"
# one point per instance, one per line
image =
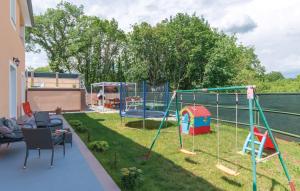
(116, 84)
(27, 13)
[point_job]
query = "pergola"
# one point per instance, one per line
(102, 85)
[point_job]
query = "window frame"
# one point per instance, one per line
(13, 13)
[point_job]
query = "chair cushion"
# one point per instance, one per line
(2, 120)
(31, 121)
(5, 130)
(56, 121)
(12, 124)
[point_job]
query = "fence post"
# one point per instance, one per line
(32, 79)
(56, 77)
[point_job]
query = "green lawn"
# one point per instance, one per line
(169, 169)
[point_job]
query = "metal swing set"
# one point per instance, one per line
(252, 101)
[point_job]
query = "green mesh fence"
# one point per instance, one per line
(281, 110)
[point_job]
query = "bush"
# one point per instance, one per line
(81, 129)
(130, 177)
(99, 146)
(75, 123)
(78, 126)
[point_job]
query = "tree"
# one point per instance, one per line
(80, 43)
(145, 55)
(42, 69)
(173, 50)
(97, 49)
(183, 50)
(274, 76)
(52, 33)
(187, 52)
(189, 40)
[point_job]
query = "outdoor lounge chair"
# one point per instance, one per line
(6, 139)
(41, 139)
(42, 119)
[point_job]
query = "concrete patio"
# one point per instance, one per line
(78, 170)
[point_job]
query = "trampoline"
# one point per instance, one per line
(143, 101)
(140, 114)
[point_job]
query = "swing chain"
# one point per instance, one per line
(218, 128)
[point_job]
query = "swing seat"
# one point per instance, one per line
(187, 152)
(227, 170)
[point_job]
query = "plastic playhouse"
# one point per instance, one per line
(195, 120)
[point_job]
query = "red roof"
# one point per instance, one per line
(199, 110)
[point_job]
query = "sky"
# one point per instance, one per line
(272, 27)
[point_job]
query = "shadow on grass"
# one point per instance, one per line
(232, 182)
(149, 124)
(100, 120)
(159, 172)
(274, 182)
(189, 160)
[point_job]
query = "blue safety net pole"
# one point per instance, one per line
(166, 100)
(121, 99)
(144, 102)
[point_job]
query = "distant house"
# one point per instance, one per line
(15, 15)
(53, 80)
(47, 91)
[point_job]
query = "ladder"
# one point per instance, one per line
(263, 141)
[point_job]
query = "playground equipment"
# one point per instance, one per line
(252, 100)
(263, 142)
(145, 101)
(195, 120)
(219, 165)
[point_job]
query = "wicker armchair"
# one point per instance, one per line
(40, 139)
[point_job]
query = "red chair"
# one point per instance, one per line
(26, 108)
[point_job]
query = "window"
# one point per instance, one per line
(13, 15)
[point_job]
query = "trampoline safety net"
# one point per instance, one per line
(143, 100)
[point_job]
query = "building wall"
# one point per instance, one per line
(11, 45)
(48, 99)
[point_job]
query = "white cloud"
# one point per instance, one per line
(36, 60)
(237, 23)
(271, 26)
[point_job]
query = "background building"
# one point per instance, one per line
(15, 15)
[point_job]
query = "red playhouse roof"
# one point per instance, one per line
(198, 110)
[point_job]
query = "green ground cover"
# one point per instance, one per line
(169, 169)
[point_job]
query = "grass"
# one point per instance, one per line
(169, 169)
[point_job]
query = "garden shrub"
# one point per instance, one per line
(78, 126)
(75, 123)
(98, 146)
(130, 177)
